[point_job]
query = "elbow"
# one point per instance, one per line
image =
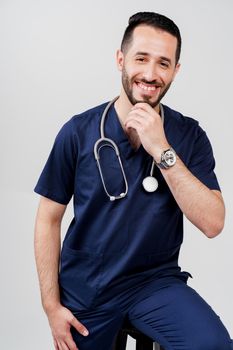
(215, 222)
(214, 229)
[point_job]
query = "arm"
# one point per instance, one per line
(47, 254)
(202, 206)
(47, 250)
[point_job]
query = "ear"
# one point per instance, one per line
(120, 59)
(177, 68)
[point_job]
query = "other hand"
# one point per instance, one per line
(61, 319)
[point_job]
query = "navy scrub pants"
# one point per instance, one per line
(166, 309)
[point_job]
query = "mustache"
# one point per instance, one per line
(153, 82)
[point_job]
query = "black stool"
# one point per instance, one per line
(143, 342)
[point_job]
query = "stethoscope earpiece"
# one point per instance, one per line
(150, 183)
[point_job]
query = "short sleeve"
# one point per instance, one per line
(202, 163)
(57, 178)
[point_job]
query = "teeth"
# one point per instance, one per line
(147, 88)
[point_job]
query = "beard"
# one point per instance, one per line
(126, 83)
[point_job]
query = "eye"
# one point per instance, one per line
(140, 59)
(164, 64)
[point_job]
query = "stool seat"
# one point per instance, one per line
(143, 342)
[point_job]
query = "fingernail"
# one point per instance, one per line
(85, 333)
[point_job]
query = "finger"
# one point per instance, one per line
(144, 118)
(140, 113)
(145, 115)
(143, 105)
(139, 110)
(70, 343)
(79, 327)
(133, 124)
(55, 344)
(146, 108)
(59, 345)
(144, 121)
(140, 120)
(64, 346)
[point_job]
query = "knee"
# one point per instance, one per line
(214, 341)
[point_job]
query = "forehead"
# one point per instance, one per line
(154, 41)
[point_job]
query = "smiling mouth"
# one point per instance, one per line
(149, 88)
(146, 87)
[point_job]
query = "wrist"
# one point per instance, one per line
(50, 307)
(167, 158)
(157, 153)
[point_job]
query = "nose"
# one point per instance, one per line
(151, 72)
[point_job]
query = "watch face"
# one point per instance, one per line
(170, 157)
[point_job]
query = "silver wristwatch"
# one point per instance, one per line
(168, 159)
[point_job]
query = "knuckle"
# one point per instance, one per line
(73, 347)
(80, 328)
(143, 128)
(72, 318)
(61, 335)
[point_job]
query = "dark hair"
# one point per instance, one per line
(154, 20)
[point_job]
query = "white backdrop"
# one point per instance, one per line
(58, 59)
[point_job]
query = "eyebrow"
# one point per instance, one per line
(142, 53)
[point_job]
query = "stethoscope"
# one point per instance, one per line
(149, 183)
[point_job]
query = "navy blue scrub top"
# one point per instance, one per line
(109, 243)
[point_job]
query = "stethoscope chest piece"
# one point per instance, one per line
(150, 184)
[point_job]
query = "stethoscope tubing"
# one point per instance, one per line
(110, 143)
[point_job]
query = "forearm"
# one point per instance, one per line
(204, 208)
(47, 255)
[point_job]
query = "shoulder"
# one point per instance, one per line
(184, 133)
(79, 121)
(88, 115)
(179, 119)
(182, 125)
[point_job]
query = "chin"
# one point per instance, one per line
(150, 101)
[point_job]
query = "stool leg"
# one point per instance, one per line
(144, 344)
(121, 341)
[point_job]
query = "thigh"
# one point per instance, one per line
(103, 323)
(177, 317)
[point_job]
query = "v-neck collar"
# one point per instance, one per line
(115, 131)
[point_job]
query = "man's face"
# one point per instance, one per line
(149, 65)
